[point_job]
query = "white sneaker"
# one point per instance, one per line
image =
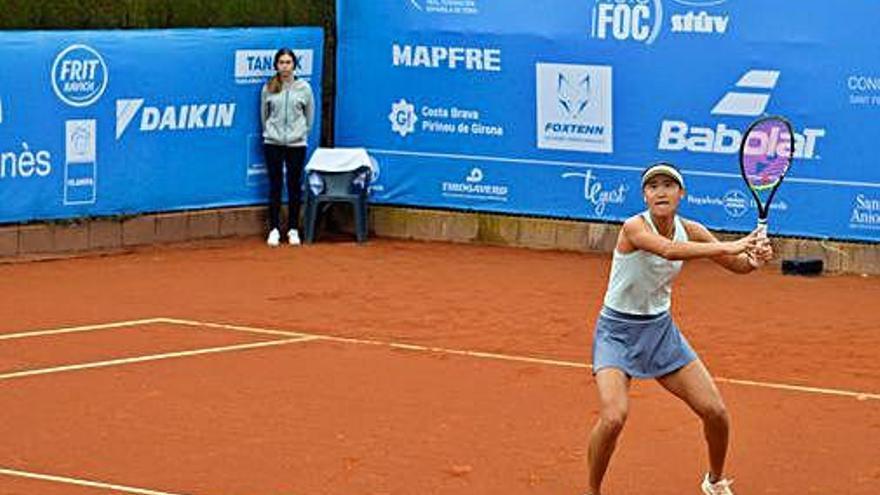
(274, 238)
(720, 487)
(293, 237)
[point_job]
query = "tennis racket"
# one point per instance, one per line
(765, 155)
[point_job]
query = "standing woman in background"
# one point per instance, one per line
(287, 110)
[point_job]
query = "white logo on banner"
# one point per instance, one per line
(595, 192)
(457, 7)
(473, 188)
(574, 107)
(80, 162)
(624, 20)
(865, 213)
(734, 202)
(642, 20)
(449, 57)
(255, 66)
(80, 145)
(678, 135)
(403, 117)
(864, 89)
(184, 117)
(79, 75)
(25, 163)
(748, 104)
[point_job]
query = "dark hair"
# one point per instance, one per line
(274, 84)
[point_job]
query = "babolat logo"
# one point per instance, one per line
(678, 135)
(173, 117)
(448, 57)
(627, 20)
(79, 75)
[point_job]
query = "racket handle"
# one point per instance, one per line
(762, 227)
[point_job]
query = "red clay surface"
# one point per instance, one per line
(330, 417)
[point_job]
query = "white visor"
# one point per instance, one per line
(664, 169)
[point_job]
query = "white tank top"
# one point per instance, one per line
(640, 282)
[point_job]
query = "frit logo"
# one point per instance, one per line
(79, 75)
(173, 117)
(573, 95)
(750, 99)
(627, 20)
(403, 117)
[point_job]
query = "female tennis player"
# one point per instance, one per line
(635, 335)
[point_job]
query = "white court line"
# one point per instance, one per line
(83, 328)
(154, 357)
(80, 482)
(523, 359)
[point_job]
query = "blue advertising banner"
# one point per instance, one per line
(553, 108)
(122, 122)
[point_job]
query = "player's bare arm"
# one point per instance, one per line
(637, 235)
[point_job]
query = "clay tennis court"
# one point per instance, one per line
(225, 367)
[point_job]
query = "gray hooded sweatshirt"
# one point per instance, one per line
(287, 115)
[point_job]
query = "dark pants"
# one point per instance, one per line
(279, 159)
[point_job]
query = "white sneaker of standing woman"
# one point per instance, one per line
(274, 238)
(720, 487)
(293, 237)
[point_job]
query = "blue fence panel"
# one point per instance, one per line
(553, 108)
(121, 122)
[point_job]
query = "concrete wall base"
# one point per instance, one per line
(46, 239)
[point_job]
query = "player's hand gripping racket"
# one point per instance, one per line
(765, 155)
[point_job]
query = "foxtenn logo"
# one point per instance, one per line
(678, 135)
(173, 117)
(446, 57)
(627, 20)
(574, 107)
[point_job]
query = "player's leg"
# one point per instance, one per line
(613, 387)
(695, 387)
(275, 171)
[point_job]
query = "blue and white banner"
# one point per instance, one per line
(554, 107)
(122, 122)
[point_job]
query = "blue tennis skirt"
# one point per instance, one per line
(642, 346)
